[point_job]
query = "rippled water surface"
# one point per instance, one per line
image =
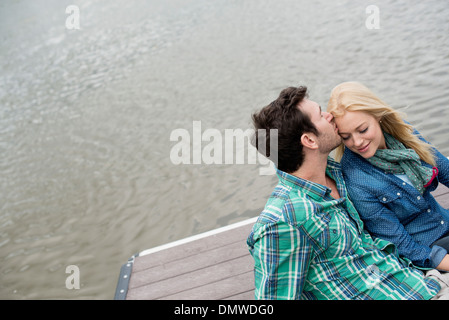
(86, 116)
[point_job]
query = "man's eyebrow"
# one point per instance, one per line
(321, 111)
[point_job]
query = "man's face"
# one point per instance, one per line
(328, 138)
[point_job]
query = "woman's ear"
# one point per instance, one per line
(309, 140)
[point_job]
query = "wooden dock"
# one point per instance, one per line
(214, 265)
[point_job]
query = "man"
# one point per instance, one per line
(309, 241)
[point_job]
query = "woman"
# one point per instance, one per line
(390, 171)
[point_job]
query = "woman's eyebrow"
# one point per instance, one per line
(354, 129)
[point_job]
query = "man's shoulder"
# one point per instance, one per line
(286, 204)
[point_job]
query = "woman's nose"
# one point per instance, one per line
(358, 141)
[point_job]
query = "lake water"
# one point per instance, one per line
(86, 115)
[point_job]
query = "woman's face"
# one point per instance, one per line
(361, 133)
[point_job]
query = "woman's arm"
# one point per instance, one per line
(444, 264)
(443, 168)
(383, 223)
(442, 162)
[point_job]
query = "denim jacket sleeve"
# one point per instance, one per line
(443, 168)
(442, 163)
(383, 223)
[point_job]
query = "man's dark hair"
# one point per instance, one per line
(284, 115)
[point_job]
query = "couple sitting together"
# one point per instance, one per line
(364, 228)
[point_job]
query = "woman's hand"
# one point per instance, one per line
(444, 264)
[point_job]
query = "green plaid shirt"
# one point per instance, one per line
(308, 245)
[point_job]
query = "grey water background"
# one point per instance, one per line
(86, 116)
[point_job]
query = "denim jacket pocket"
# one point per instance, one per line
(400, 204)
(389, 197)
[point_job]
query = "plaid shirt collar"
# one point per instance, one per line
(315, 190)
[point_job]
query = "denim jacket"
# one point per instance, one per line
(396, 211)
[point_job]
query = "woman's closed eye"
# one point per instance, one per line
(345, 137)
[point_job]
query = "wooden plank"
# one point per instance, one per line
(220, 290)
(223, 254)
(214, 266)
(248, 295)
(441, 195)
(195, 279)
(443, 201)
(440, 191)
(193, 245)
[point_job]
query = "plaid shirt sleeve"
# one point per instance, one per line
(282, 255)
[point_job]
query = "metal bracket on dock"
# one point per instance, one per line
(123, 280)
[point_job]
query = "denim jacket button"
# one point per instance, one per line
(418, 197)
(384, 199)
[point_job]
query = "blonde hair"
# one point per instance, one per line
(353, 96)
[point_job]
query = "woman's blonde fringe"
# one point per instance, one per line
(353, 96)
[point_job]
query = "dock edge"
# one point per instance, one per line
(123, 280)
(126, 269)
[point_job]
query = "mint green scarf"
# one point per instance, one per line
(397, 159)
